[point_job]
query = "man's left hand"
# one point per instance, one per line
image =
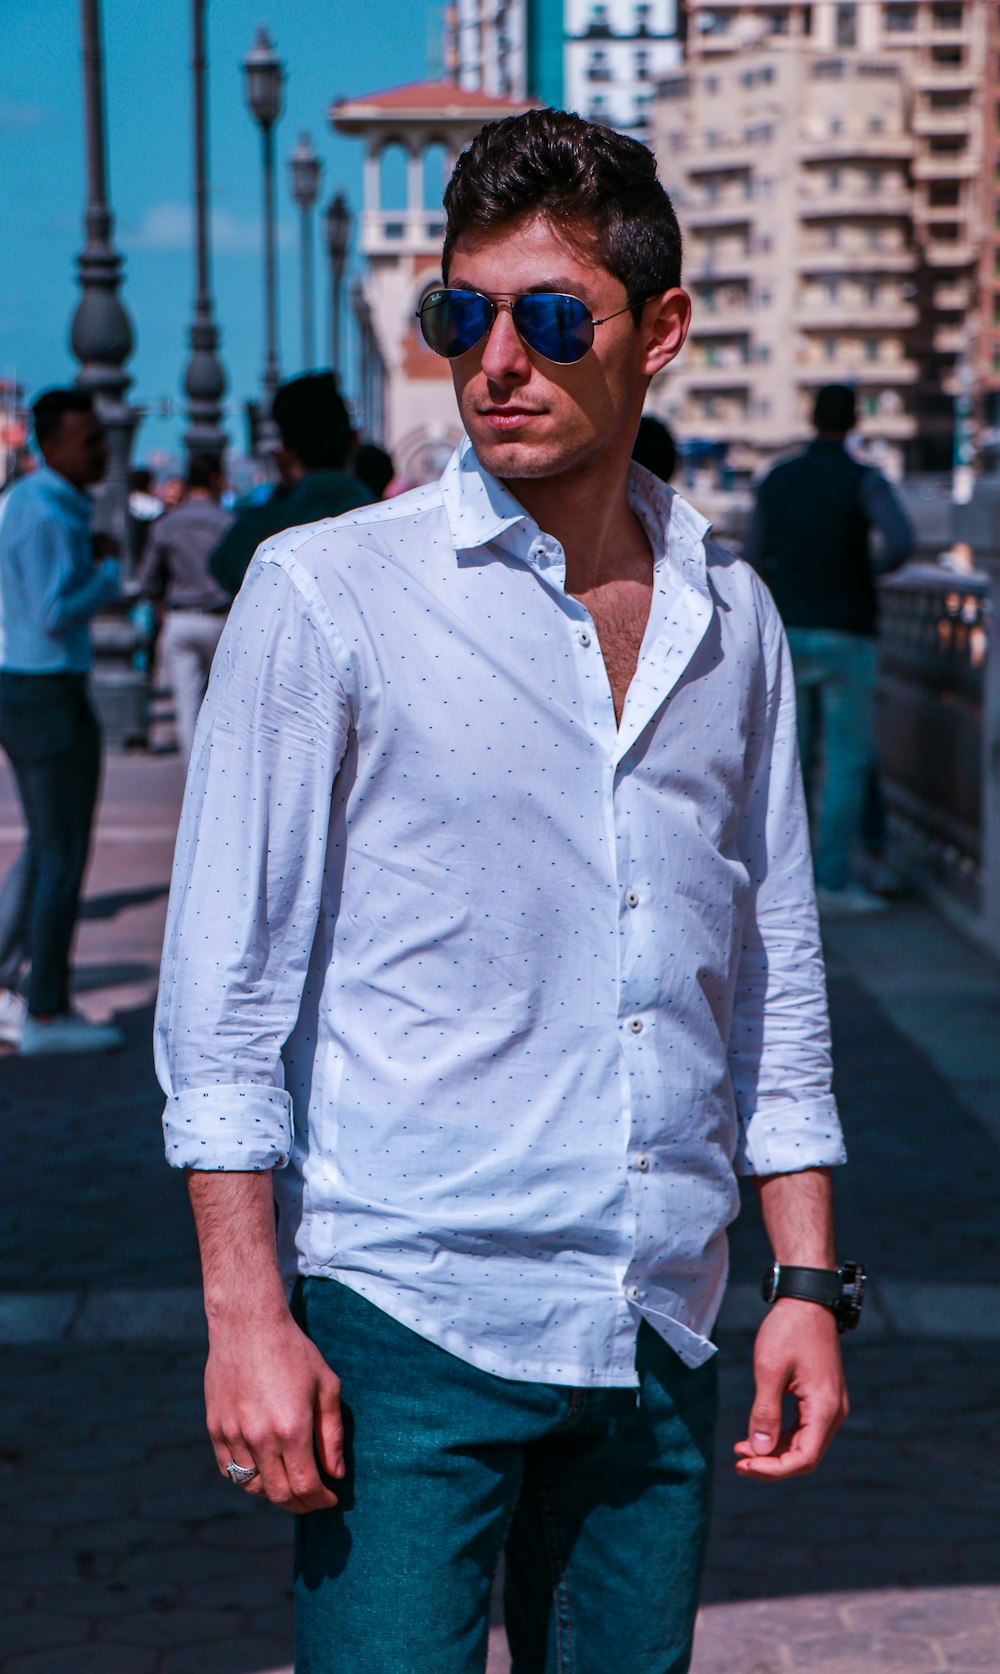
(797, 1353)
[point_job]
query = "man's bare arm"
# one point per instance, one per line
(797, 1350)
(271, 1400)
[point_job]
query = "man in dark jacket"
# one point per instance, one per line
(314, 477)
(810, 538)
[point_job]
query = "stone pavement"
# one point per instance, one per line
(122, 1552)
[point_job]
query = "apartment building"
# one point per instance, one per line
(790, 172)
(600, 59)
(940, 50)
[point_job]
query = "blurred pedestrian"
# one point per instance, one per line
(374, 467)
(144, 509)
(175, 573)
(50, 586)
(655, 448)
(317, 440)
(810, 538)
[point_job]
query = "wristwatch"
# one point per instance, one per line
(841, 1289)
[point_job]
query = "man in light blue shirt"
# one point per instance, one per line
(492, 960)
(50, 587)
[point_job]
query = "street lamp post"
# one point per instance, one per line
(338, 233)
(101, 333)
(306, 169)
(264, 73)
(102, 341)
(205, 379)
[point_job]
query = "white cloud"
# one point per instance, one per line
(170, 226)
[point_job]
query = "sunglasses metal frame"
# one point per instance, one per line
(510, 302)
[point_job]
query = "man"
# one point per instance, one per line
(50, 587)
(492, 944)
(810, 537)
(175, 570)
(313, 477)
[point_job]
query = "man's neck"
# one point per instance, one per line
(77, 487)
(587, 511)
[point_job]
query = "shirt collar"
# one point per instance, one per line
(481, 512)
(58, 487)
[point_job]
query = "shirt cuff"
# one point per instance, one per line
(783, 1138)
(236, 1129)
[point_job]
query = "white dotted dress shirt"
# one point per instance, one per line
(506, 993)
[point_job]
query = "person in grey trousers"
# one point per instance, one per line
(175, 572)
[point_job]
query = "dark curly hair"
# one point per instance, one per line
(597, 187)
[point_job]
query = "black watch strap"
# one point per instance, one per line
(841, 1289)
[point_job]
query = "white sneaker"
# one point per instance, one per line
(13, 1012)
(850, 902)
(68, 1033)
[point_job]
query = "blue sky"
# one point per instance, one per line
(331, 48)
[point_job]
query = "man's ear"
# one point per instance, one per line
(663, 327)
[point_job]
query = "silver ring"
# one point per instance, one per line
(241, 1474)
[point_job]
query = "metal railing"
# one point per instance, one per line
(933, 641)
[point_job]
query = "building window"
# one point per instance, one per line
(847, 26)
(777, 23)
(832, 235)
(874, 237)
(873, 180)
(872, 295)
(875, 124)
(831, 290)
(830, 348)
(836, 125)
(642, 65)
(711, 84)
(947, 16)
(833, 180)
(869, 405)
(900, 20)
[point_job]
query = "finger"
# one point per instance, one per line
(330, 1428)
(764, 1427)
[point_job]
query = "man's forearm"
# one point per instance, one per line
(234, 1220)
(798, 1214)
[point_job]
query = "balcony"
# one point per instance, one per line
(864, 260)
(944, 78)
(735, 212)
(861, 148)
(856, 316)
(933, 122)
(952, 296)
(720, 322)
(855, 206)
(883, 374)
(893, 427)
(950, 253)
(950, 339)
(700, 270)
(724, 160)
(720, 378)
(962, 166)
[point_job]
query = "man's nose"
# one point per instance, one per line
(505, 357)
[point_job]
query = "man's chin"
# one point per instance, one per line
(512, 459)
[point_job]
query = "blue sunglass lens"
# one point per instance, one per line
(558, 327)
(453, 322)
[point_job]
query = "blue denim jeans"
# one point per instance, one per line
(600, 1497)
(835, 691)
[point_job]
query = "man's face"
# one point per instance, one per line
(78, 450)
(526, 416)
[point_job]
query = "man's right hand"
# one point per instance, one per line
(272, 1401)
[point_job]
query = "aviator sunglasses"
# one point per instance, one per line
(559, 328)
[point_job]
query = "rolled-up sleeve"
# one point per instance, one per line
(779, 1053)
(248, 875)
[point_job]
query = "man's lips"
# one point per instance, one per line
(507, 418)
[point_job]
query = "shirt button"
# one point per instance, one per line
(642, 1164)
(631, 898)
(632, 1292)
(583, 638)
(635, 1025)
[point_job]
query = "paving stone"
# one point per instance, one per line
(32, 1631)
(89, 1659)
(847, 1653)
(168, 1628)
(936, 1614)
(234, 1656)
